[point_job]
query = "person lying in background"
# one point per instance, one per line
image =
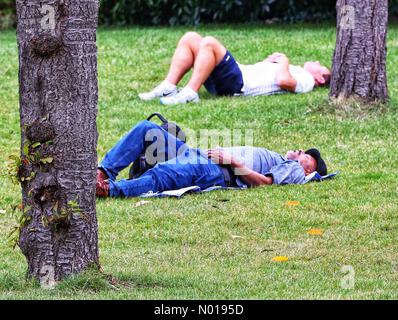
(215, 68)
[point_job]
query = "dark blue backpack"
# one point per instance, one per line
(140, 166)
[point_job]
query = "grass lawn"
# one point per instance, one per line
(220, 245)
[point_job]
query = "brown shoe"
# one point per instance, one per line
(102, 188)
(101, 175)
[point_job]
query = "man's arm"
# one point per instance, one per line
(247, 175)
(283, 77)
(251, 177)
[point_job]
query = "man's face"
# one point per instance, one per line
(318, 71)
(306, 161)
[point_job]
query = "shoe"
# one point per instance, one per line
(186, 95)
(165, 89)
(102, 189)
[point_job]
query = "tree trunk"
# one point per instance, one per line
(359, 63)
(58, 109)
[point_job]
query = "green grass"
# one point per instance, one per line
(187, 248)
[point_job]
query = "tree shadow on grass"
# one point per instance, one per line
(94, 281)
(128, 285)
(151, 281)
(349, 110)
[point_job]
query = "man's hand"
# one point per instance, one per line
(222, 157)
(247, 175)
(277, 57)
(283, 77)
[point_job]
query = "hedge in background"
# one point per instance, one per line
(7, 14)
(194, 12)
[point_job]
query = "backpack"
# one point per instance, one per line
(140, 166)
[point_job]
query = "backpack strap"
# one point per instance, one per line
(163, 119)
(170, 127)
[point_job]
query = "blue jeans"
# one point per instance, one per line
(178, 166)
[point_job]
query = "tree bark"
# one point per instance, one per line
(359, 62)
(58, 109)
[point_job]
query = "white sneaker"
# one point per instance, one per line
(164, 89)
(186, 95)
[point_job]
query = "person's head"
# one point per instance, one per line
(320, 73)
(310, 160)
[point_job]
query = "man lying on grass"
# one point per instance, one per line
(216, 69)
(179, 166)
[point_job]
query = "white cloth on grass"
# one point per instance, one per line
(315, 176)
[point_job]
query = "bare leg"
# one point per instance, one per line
(210, 54)
(184, 56)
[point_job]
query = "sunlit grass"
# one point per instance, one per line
(220, 245)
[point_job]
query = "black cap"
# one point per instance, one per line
(320, 164)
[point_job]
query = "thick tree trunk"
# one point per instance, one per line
(58, 109)
(359, 63)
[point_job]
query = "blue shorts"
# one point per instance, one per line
(226, 79)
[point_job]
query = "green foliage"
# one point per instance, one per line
(47, 160)
(393, 9)
(7, 14)
(194, 12)
(61, 215)
(20, 169)
(22, 219)
(13, 165)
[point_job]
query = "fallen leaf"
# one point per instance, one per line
(280, 259)
(141, 203)
(236, 237)
(315, 232)
(293, 203)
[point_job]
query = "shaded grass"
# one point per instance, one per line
(220, 245)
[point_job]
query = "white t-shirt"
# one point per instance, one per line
(260, 79)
